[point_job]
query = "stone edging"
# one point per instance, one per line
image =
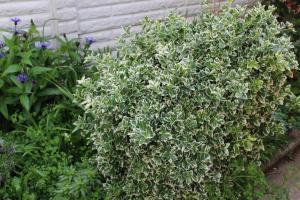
(295, 134)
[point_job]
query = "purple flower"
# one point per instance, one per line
(15, 20)
(23, 78)
(42, 45)
(1, 44)
(89, 40)
(2, 55)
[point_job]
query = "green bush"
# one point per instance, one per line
(289, 11)
(185, 105)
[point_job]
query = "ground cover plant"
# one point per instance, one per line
(185, 110)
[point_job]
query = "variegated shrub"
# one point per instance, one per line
(183, 101)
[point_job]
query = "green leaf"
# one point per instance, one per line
(252, 64)
(1, 83)
(16, 82)
(10, 100)
(28, 87)
(24, 99)
(62, 89)
(16, 184)
(257, 85)
(26, 58)
(14, 90)
(49, 92)
(12, 69)
(39, 70)
(3, 109)
(37, 106)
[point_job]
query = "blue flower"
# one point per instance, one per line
(15, 20)
(2, 55)
(90, 40)
(23, 78)
(42, 45)
(1, 44)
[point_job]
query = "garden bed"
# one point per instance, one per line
(184, 111)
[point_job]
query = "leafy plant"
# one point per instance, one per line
(289, 11)
(32, 73)
(50, 162)
(187, 105)
(6, 161)
(41, 156)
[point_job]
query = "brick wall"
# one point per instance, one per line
(102, 19)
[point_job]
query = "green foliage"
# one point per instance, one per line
(50, 162)
(6, 161)
(187, 105)
(250, 183)
(32, 74)
(41, 156)
(247, 182)
(289, 11)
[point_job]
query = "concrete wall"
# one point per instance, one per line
(102, 19)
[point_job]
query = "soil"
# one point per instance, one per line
(286, 174)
